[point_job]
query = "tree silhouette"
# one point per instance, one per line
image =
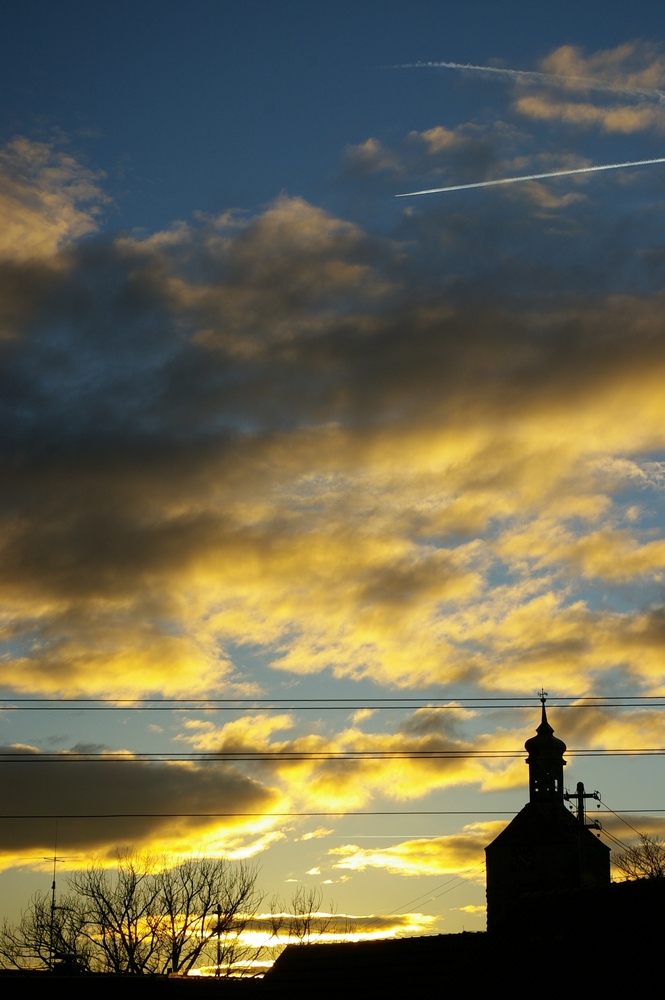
(144, 917)
(46, 935)
(301, 921)
(646, 859)
(203, 907)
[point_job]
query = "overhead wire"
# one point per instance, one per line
(327, 704)
(427, 896)
(615, 840)
(619, 817)
(269, 815)
(11, 756)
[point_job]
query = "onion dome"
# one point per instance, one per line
(545, 744)
(546, 763)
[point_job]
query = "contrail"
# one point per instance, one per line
(533, 76)
(532, 177)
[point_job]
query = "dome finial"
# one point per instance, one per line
(542, 695)
(545, 761)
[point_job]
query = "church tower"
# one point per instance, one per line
(546, 763)
(544, 848)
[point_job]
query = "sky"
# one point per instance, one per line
(331, 479)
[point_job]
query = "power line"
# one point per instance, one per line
(321, 700)
(615, 840)
(263, 815)
(255, 756)
(282, 815)
(319, 704)
(317, 700)
(625, 822)
(427, 896)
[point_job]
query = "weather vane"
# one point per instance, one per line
(542, 694)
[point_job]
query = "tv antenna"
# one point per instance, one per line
(56, 861)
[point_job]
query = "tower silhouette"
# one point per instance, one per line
(544, 848)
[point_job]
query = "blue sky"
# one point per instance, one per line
(211, 105)
(270, 432)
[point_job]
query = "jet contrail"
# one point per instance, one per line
(532, 177)
(529, 75)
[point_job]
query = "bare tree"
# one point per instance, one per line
(46, 935)
(151, 917)
(143, 917)
(203, 906)
(646, 859)
(306, 922)
(300, 921)
(121, 914)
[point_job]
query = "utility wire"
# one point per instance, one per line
(621, 818)
(615, 840)
(322, 700)
(270, 815)
(313, 705)
(251, 756)
(426, 896)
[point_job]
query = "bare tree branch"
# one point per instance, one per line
(646, 859)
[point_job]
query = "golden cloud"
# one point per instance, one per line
(623, 119)
(627, 83)
(327, 927)
(636, 65)
(47, 199)
(350, 768)
(371, 156)
(461, 853)
(120, 800)
(278, 438)
(439, 139)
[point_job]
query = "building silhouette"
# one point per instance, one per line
(548, 894)
(544, 848)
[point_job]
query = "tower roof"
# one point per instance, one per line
(545, 745)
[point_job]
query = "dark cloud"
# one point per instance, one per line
(54, 787)
(269, 430)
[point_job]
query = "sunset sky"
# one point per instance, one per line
(271, 434)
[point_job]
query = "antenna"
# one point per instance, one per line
(56, 861)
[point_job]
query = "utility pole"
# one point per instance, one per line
(218, 970)
(579, 795)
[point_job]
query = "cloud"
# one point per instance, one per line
(604, 554)
(638, 65)
(315, 834)
(286, 433)
(435, 153)
(348, 769)
(370, 157)
(338, 927)
(47, 198)
(636, 70)
(274, 785)
(623, 119)
(127, 786)
(461, 853)
(567, 66)
(627, 84)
